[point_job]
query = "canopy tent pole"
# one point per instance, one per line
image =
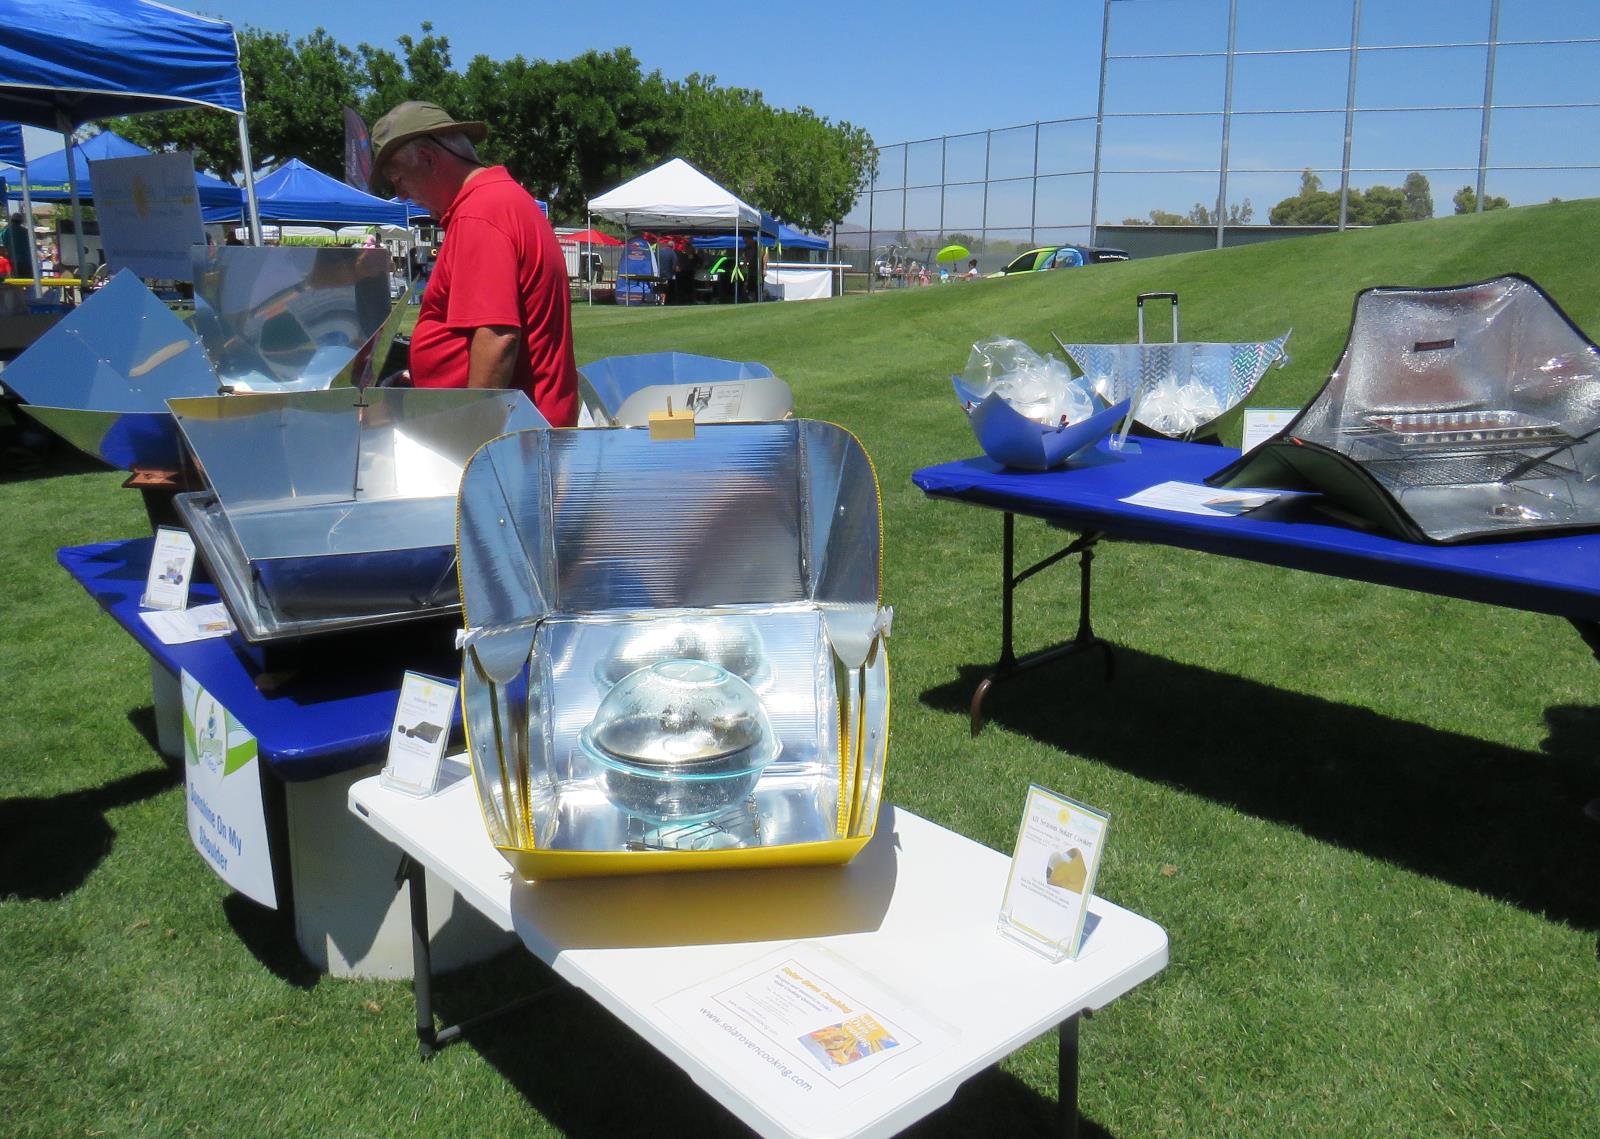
(33, 245)
(588, 250)
(738, 250)
(77, 205)
(249, 181)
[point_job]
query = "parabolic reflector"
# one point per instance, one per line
(101, 377)
(622, 391)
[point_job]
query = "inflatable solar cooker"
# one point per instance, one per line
(674, 654)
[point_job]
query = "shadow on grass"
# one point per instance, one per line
(269, 935)
(49, 847)
(548, 1052)
(1495, 819)
(32, 454)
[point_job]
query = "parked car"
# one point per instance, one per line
(1060, 257)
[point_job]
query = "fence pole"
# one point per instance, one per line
(1227, 125)
(1099, 127)
(988, 148)
(1033, 206)
(1488, 99)
(1349, 113)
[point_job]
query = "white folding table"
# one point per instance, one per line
(916, 911)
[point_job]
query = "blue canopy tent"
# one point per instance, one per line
(11, 153)
(301, 195)
(67, 62)
(48, 180)
(779, 234)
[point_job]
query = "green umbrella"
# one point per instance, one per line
(952, 253)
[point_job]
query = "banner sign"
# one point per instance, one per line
(149, 213)
(222, 786)
(357, 152)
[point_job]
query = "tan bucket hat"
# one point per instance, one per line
(409, 121)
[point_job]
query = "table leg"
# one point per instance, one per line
(430, 1039)
(1010, 664)
(416, 879)
(1067, 1076)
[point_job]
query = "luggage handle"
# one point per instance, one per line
(1142, 297)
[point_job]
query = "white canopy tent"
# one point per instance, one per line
(676, 197)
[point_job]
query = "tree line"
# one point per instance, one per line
(568, 130)
(1412, 200)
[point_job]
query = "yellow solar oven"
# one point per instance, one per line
(674, 649)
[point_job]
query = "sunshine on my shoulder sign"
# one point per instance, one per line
(222, 786)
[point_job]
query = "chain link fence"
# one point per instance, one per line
(1229, 121)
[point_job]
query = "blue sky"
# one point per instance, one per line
(908, 71)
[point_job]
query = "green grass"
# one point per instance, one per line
(1354, 809)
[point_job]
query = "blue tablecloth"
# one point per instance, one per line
(1559, 575)
(330, 721)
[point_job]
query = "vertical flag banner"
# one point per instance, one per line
(357, 151)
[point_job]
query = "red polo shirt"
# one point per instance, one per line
(500, 264)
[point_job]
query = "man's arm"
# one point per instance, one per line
(492, 356)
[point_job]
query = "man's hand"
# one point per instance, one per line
(492, 356)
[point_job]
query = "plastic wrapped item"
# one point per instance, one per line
(1026, 410)
(1040, 388)
(1174, 408)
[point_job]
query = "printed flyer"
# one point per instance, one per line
(222, 785)
(804, 1025)
(421, 730)
(1052, 873)
(166, 585)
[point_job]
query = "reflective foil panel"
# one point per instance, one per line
(331, 510)
(1178, 389)
(1459, 412)
(100, 377)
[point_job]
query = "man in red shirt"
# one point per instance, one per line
(496, 311)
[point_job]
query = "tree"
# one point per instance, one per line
(1377, 205)
(566, 130)
(1465, 201)
(799, 165)
(1239, 213)
(294, 92)
(1418, 197)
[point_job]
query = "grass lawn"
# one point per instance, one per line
(1356, 810)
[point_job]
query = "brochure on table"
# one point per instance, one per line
(1052, 873)
(806, 1028)
(421, 730)
(166, 583)
(202, 623)
(222, 787)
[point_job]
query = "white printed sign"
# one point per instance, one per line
(222, 786)
(804, 1026)
(421, 730)
(149, 213)
(166, 583)
(1262, 423)
(1052, 873)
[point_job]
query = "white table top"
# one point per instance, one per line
(916, 912)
